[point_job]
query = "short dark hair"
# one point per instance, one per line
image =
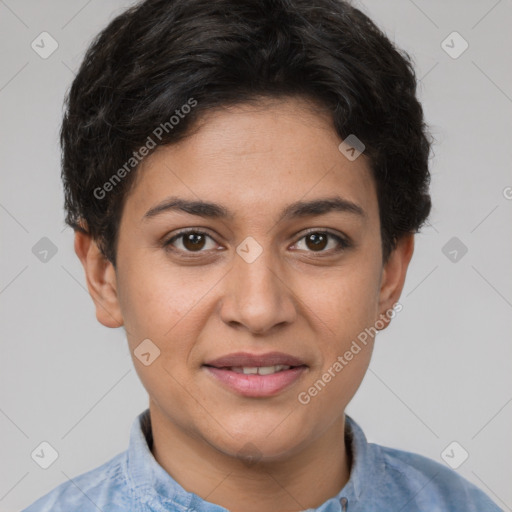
(160, 55)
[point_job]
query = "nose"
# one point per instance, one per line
(258, 295)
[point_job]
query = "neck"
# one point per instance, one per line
(304, 480)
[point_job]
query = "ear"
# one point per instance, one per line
(393, 277)
(101, 280)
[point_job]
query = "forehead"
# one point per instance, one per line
(270, 154)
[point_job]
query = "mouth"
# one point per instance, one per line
(258, 370)
(256, 375)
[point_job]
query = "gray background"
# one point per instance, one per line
(440, 373)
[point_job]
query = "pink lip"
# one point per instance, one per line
(256, 385)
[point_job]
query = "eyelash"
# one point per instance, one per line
(342, 242)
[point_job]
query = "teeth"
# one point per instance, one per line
(260, 370)
(268, 370)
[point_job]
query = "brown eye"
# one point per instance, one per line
(189, 242)
(318, 241)
(193, 241)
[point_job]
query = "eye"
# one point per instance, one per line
(317, 241)
(189, 241)
(194, 241)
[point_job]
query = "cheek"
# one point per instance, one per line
(164, 309)
(345, 310)
(155, 298)
(169, 308)
(345, 303)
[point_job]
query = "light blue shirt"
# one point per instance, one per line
(381, 480)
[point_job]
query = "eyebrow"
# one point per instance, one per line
(295, 210)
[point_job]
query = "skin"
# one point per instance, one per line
(294, 298)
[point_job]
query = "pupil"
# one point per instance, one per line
(192, 240)
(318, 240)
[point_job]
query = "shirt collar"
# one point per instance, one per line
(151, 483)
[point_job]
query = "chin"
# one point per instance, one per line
(266, 443)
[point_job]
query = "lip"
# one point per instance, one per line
(248, 359)
(255, 385)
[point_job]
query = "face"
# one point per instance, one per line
(283, 266)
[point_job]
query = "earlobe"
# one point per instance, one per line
(101, 280)
(393, 278)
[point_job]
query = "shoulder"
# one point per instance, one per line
(426, 484)
(90, 491)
